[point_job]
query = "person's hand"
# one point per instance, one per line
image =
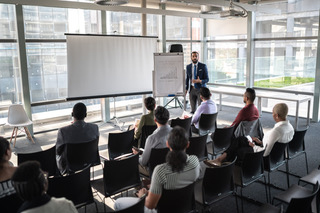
(134, 151)
(142, 192)
(196, 80)
(257, 140)
(251, 144)
(186, 116)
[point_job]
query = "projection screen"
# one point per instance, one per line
(109, 66)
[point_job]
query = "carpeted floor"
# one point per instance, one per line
(225, 117)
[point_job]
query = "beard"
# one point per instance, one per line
(195, 61)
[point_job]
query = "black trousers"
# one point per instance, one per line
(238, 148)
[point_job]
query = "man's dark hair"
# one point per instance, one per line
(79, 111)
(150, 103)
(161, 115)
(205, 93)
(251, 94)
(29, 181)
(194, 52)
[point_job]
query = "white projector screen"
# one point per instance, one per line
(109, 66)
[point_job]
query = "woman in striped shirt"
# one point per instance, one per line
(179, 171)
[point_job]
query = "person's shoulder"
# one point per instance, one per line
(193, 160)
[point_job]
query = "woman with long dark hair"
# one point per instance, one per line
(180, 170)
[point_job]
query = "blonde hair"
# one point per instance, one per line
(281, 110)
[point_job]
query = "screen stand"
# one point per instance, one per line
(116, 121)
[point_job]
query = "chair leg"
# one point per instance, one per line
(288, 179)
(266, 188)
(28, 134)
(15, 137)
(14, 128)
(305, 155)
(241, 200)
(269, 186)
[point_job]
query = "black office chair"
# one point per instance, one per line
(46, 158)
(216, 185)
(145, 132)
(136, 208)
(157, 156)
(296, 205)
(11, 203)
(207, 123)
(80, 155)
(274, 160)
(296, 147)
(120, 143)
(249, 171)
(75, 187)
(198, 147)
(300, 195)
(177, 200)
(175, 48)
(221, 140)
(120, 175)
(184, 123)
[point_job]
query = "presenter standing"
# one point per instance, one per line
(197, 77)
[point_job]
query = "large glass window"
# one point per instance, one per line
(226, 51)
(121, 23)
(178, 28)
(10, 88)
(283, 63)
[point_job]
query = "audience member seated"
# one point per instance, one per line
(281, 132)
(157, 139)
(147, 119)
(78, 132)
(6, 169)
(249, 112)
(179, 171)
(207, 106)
(31, 185)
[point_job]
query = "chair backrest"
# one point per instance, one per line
(198, 147)
(252, 128)
(276, 158)
(177, 200)
(75, 187)
(250, 170)
(145, 132)
(11, 203)
(157, 156)
(136, 208)
(46, 158)
(120, 143)
(184, 123)
(17, 115)
(296, 145)
(79, 155)
(207, 123)
(217, 183)
(302, 204)
(221, 139)
(120, 175)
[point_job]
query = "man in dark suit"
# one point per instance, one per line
(78, 132)
(197, 77)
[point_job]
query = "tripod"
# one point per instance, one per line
(116, 121)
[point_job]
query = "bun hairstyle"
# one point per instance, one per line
(4, 146)
(29, 180)
(178, 142)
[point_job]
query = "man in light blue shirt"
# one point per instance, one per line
(207, 106)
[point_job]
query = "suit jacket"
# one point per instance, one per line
(78, 132)
(202, 72)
